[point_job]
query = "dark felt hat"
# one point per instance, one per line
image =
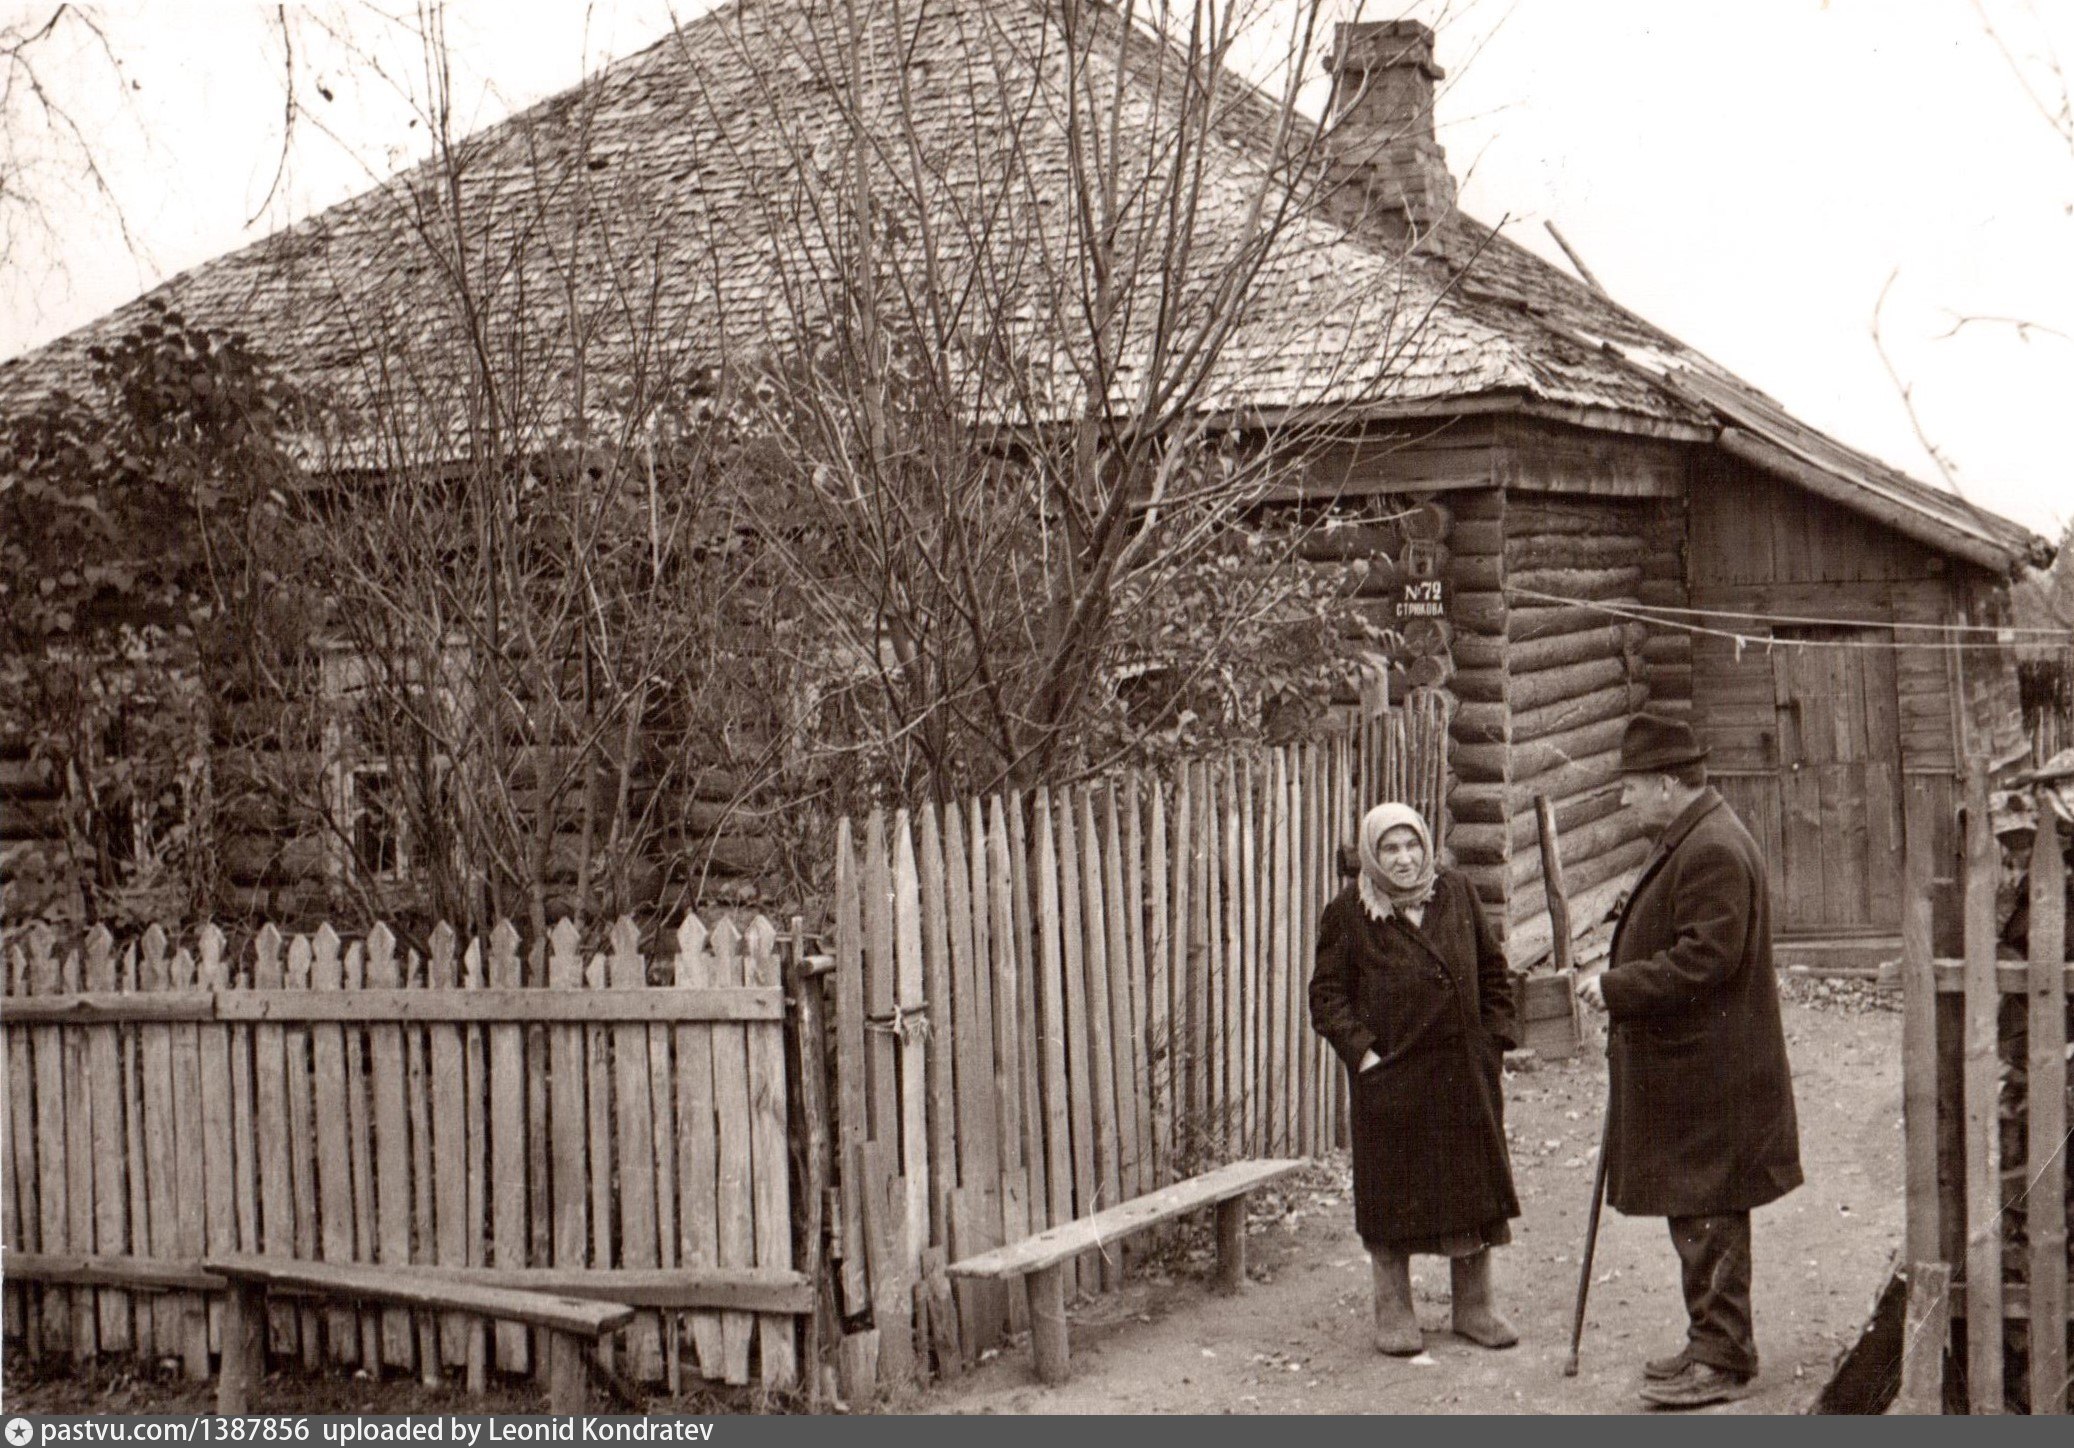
(1653, 743)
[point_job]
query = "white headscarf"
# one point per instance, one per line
(1380, 897)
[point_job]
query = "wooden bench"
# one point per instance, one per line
(1039, 1260)
(574, 1324)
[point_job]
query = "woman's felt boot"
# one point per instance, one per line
(1474, 1318)
(1396, 1321)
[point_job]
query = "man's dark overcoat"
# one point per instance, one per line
(1435, 1003)
(1700, 1117)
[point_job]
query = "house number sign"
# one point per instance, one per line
(1425, 591)
(1423, 598)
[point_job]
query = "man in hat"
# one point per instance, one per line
(1700, 1126)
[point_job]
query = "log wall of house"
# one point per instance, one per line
(32, 843)
(1578, 673)
(1543, 690)
(1592, 525)
(1477, 833)
(277, 857)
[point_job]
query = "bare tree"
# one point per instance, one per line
(540, 645)
(1033, 272)
(881, 399)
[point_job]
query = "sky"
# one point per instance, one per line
(1752, 177)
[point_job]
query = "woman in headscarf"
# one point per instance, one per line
(1411, 990)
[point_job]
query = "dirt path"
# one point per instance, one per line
(1297, 1340)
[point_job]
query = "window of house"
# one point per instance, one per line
(379, 824)
(370, 735)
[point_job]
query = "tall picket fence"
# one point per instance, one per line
(564, 1120)
(1986, 1097)
(1048, 1003)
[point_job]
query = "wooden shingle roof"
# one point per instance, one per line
(665, 213)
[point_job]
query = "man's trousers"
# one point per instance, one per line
(1714, 1252)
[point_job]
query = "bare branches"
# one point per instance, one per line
(47, 150)
(2037, 69)
(2039, 74)
(1009, 327)
(2024, 327)
(1905, 390)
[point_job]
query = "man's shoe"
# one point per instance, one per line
(1696, 1386)
(1657, 1369)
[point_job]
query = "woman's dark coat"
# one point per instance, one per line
(1700, 1113)
(1435, 1003)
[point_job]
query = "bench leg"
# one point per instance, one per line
(1047, 1287)
(1231, 1244)
(244, 1349)
(568, 1380)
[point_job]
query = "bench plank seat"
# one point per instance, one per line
(409, 1287)
(1039, 1259)
(573, 1324)
(1070, 1239)
(750, 1289)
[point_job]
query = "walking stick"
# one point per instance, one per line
(1566, 965)
(1591, 1247)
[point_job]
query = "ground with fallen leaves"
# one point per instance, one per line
(1297, 1340)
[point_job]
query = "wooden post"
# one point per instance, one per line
(1919, 1058)
(568, 1380)
(1047, 1289)
(1924, 1337)
(244, 1349)
(2045, 1199)
(1231, 1244)
(1983, 1129)
(1562, 940)
(1558, 896)
(857, 1367)
(808, 1036)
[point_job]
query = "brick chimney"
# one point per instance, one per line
(1381, 120)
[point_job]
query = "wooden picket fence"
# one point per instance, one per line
(1985, 1101)
(1045, 1004)
(592, 1123)
(1401, 754)
(1038, 1005)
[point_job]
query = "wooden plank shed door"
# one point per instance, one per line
(1839, 866)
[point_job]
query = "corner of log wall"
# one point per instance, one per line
(1481, 732)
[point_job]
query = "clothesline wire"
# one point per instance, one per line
(2048, 633)
(1764, 641)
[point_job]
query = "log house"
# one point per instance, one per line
(1588, 467)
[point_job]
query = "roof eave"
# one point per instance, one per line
(1976, 547)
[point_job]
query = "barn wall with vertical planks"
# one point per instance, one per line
(1763, 547)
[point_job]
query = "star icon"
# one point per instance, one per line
(19, 1432)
